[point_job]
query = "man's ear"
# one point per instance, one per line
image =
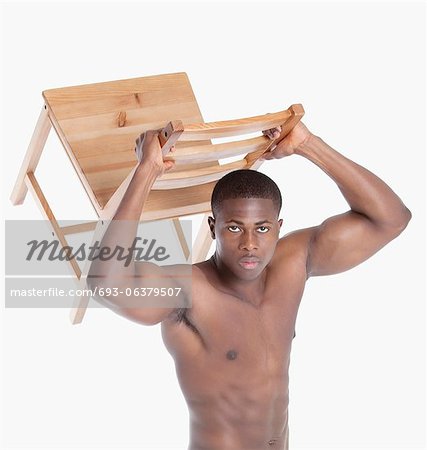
(211, 223)
(280, 223)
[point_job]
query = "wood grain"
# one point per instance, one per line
(99, 123)
(32, 157)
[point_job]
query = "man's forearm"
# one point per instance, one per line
(123, 227)
(365, 192)
(131, 206)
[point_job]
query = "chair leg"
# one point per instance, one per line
(81, 302)
(203, 241)
(32, 157)
(181, 237)
(35, 189)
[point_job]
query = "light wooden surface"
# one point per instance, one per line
(34, 151)
(212, 152)
(296, 113)
(227, 128)
(181, 237)
(194, 173)
(34, 187)
(99, 123)
(203, 240)
(81, 302)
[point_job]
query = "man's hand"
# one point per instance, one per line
(148, 150)
(299, 135)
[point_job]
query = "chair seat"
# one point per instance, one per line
(98, 124)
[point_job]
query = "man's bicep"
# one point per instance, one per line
(343, 241)
(172, 274)
(157, 292)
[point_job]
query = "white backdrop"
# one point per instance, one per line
(358, 360)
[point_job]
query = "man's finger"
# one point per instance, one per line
(266, 156)
(273, 133)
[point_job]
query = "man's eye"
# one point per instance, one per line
(265, 229)
(233, 226)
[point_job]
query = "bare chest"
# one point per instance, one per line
(237, 331)
(223, 329)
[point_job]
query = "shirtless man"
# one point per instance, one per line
(232, 346)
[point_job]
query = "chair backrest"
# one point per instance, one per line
(99, 123)
(193, 155)
(187, 188)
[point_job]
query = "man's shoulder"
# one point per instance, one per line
(293, 247)
(202, 272)
(297, 239)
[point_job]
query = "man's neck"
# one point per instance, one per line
(250, 291)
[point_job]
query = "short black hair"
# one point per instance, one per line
(245, 183)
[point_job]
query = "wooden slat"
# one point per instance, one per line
(229, 128)
(297, 112)
(133, 101)
(79, 93)
(96, 98)
(78, 228)
(181, 237)
(43, 204)
(175, 212)
(214, 152)
(137, 120)
(173, 180)
(203, 240)
(81, 303)
(32, 157)
(79, 308)
(184, 201)
(118, 140)
(125, 161)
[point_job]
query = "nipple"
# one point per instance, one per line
(231, 354)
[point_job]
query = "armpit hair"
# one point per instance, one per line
(180, 316)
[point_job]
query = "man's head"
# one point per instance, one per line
(245, 184)
(246, 206)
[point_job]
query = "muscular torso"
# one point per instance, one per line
(232, 357)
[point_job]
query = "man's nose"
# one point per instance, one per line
(248, 242)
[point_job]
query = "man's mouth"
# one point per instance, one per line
(249, 262)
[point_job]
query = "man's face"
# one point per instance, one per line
(246, 232)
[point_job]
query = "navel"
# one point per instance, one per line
(231, 354)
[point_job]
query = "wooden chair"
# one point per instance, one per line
(98, 124)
